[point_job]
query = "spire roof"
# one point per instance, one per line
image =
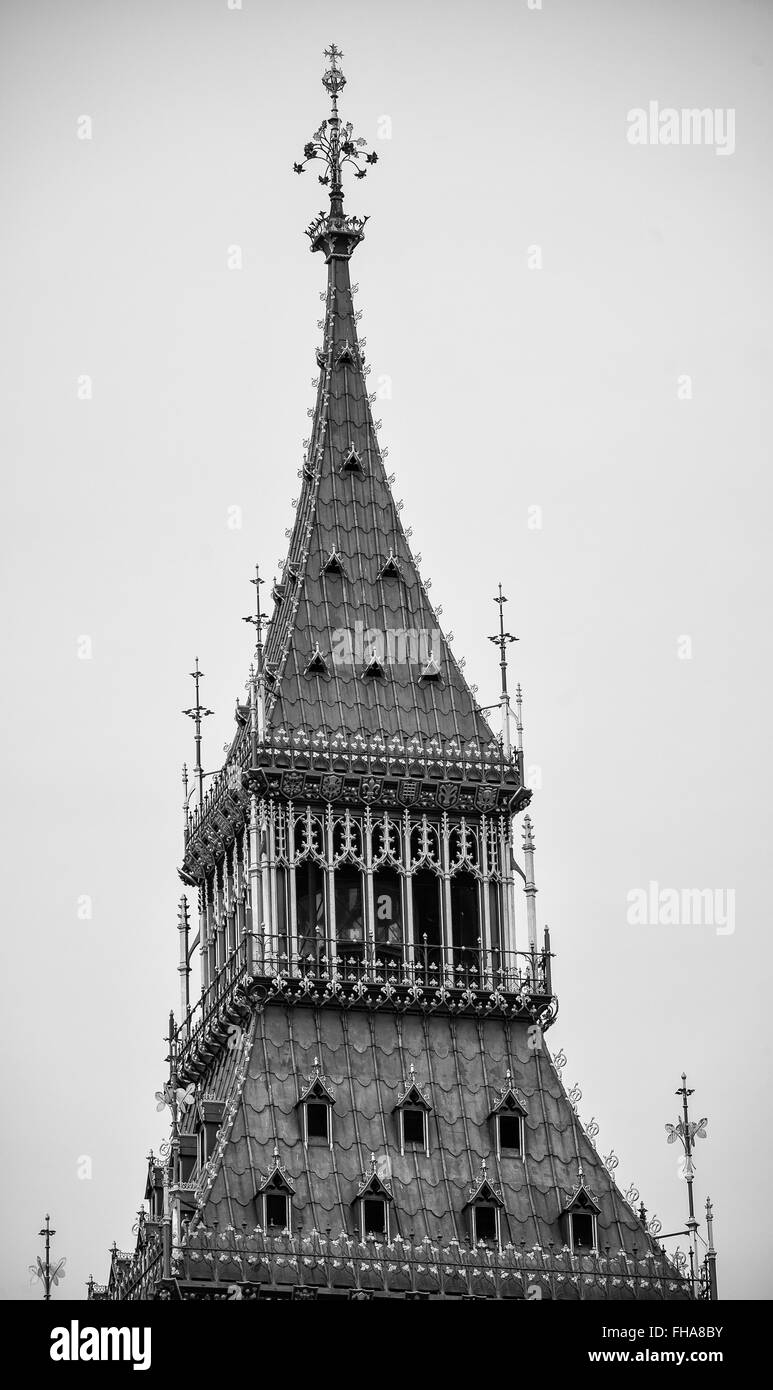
(370, 608)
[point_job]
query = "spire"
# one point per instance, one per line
(350, 585)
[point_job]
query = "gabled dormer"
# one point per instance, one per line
(371, 1205)
(317, 665)
(374, 669)
(209, 1115)
(274, 1198)
(431, 673)
(507, 1118)
(346, 357)
(333, 564)
(483, 1210)
(412, 1112)
(352, 463)
(315, 1109)
(390, 568)
(579, 1218)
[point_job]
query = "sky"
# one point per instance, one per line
(570, 332)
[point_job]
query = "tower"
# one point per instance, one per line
(362, 1101)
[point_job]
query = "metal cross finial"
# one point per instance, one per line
(197, 713)
(333, 53)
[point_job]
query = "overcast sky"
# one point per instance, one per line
(512, 388)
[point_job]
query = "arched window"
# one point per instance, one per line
(282, 911)
(465, 919)
(427, 919)
(495, 929)
(388, 908)
(310, 909)
(350, 917)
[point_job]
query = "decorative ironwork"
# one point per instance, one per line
(48, 1274)
(333, 143)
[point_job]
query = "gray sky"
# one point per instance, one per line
(512, 388)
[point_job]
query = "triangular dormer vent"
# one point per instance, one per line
(333, 564)
(390, 568)
(374, 669)
(346, 357)
(317, 665)
(352, 463)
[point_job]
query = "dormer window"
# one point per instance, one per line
(412, 1111)
(317, 665)
(390, 568)
(583, 1230)
(486, 1224)
(510, 1134)
(315, 1105)
(346, 357)
(375, 1218)
(274, 1198)
(431, 671)
(580, 1219)
(333, 564)
(374, 669)
(372, 1205)
(352, 462)
(484, 1210)
(413, 1128)
(277, 1216)
(507, 1117)
(317, 1121)
(209, 1116)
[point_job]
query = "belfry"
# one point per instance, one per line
(361, 1097)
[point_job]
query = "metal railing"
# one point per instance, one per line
(426, 965)
(245, 1263)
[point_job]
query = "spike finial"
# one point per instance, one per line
(198, 713)
(503, 640)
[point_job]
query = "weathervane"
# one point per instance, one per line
(47, 1273)
(336, 144)
(197, 713)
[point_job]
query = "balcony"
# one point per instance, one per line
(326, 973)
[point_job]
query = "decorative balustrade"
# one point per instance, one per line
(248, 1264)
(325, 969)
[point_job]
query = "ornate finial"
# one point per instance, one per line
(581, 1173)
(197, 713)
(528, 832)
(687, 1131)
(412, 1072)
(336, 144)
(257, 679)
(502, 640)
